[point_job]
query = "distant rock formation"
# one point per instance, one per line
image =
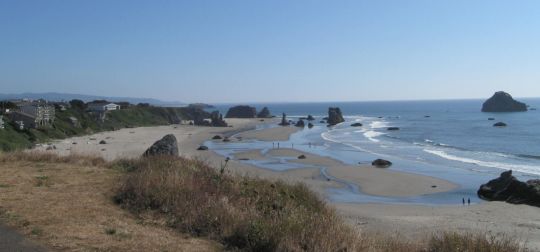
(508, 188)
(265, 113)
(216, 120)
(381, 163)
(284, 121)
(310, 125)
(334, 116)
(241, 111)
(310, 118)
(300, 123)
(499, 124)
(165, 146)
(503, 102)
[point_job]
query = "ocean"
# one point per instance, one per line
(448, 139)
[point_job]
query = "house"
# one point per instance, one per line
(1, 122)
(102, 106)
(41, 114)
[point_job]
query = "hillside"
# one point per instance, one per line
(136, 116)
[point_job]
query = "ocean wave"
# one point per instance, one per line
(371, 135)
(378, 124)
(504, 166)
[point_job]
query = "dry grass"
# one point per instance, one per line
(65, 203)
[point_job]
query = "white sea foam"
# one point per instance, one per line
(505, 166)
(378, 124)
(371, 135)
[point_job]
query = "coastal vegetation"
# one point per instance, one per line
(76, 121)
(170, 196)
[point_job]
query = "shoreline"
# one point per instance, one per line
(409, 220)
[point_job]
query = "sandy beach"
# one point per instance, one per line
(408, 220)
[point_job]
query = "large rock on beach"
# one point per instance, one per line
(300, 123)
(509, 189)
(216, 120)
(381, 163)
(241, 111)
(265, 113)
(165, 146)
(503, 102)
(284, 121)
(335, 116)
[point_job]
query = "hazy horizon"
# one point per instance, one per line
(279, 51)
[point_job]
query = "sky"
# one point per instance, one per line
(271, 51)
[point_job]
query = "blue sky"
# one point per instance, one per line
(271, 51)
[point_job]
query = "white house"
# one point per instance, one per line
(103, 106)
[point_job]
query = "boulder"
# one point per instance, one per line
(503, 102)
(499, 124)
(335, 116)
(284, 121)
(302, 156)
(300, 123)
(165, 146)
(241, 111)
(217, 137)
(310, 125)
(265, 113)
(509, 189)
(310, 118)
(356, 125)
(381, 163)
(102, 142)
(392, 128)
(202, 147)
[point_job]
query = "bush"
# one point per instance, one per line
(240, 212)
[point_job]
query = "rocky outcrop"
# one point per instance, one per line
(508, 188)
(503, 102)
(216, 120)
(381, 163)
(241, 111)
(284, 121)
(356, 125)
(310, 118)
(265, 113)
(165, 146)
(334, 116)
(310, 125)
(499, 124)
(300, 123)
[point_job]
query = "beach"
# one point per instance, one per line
(408, 220)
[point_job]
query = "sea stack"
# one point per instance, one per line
(284, 121)
(503, 102)
(265, 113)
(241, 111)
(165, 146)
(335, 116)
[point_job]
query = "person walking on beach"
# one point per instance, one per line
(463, 200)
(469, 201)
